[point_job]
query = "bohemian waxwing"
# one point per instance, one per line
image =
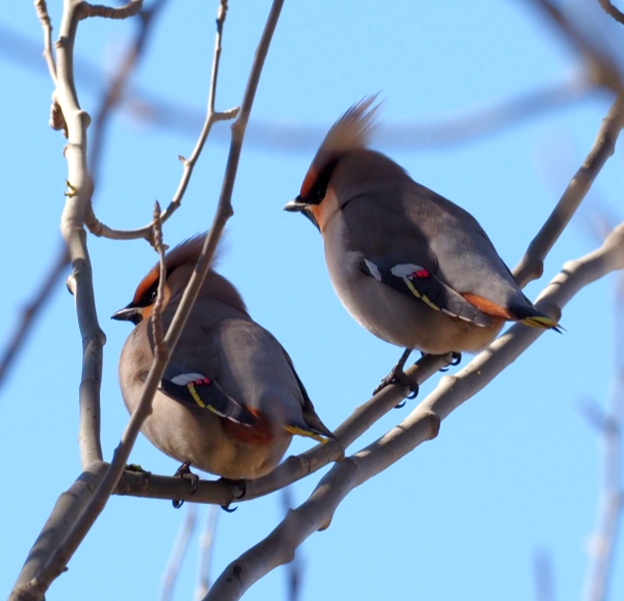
(230, 399)
(412, 267)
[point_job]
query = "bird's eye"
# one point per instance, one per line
(153, 294)
(320, 193)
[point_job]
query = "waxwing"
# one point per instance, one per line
(409, 265)
(230, 399)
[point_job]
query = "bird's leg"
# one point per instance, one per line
(184, 472)
(398, 376)
(242, 491)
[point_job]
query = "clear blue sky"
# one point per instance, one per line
(514, 472)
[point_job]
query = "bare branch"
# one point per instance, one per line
(79, 527)
(100, 229)
(604, 70)
(421, 425)
(114, 94)
(612, 11)
(42, 12)
(160, 346)
(293, 468)
(110, 12)
(206, 551)
(611, 502)
(531, 266)
(180, 548)
(70, 503)
(294, 570)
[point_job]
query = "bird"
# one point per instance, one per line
(410, 266)
(230, 399)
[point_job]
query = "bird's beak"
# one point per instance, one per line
(129, 313)
(296, 205)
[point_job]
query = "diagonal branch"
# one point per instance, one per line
(421, 425)
(531, 266)
(79, 526)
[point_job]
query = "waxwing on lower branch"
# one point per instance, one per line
(409, 265)
(230, 399)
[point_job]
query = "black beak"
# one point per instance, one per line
(129, 313)
(296, 205)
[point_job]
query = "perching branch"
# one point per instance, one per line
(78, 527)
(295, 467)
(421, 425)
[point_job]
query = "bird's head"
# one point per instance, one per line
(350, 133)
(179, 266)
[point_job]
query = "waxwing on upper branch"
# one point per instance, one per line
(409, 265)
(230, 399)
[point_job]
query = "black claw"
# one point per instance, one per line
(184, 472)
(457, 357)
(233, 484)
(401, 404)
(399, 377)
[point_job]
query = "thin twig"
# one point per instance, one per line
(531, 266)
(160, 346)
(294, 570)
(420, 426)
(612, 11)
(79, 527)
(180, 548)
(42, 12)
(206, 545)
(110, 12)
(212, 116)
(611, 502)
(111, 99)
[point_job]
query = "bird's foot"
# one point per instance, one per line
(455, 360)
(398, 376)
(239, 490)
(184, 472)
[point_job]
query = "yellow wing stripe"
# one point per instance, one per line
(195, 396)
(422, 297)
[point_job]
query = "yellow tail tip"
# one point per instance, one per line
(294, 430)
(537, 321)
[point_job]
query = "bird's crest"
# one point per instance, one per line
(185, 252)
(188, 252)
(351, 132)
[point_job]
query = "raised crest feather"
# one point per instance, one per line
(351, 132)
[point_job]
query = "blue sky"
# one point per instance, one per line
(514, 472)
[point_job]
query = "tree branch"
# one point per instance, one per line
(611, 503)
(421, 425)
(212, 116)
(79, 526)
(531, 266)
